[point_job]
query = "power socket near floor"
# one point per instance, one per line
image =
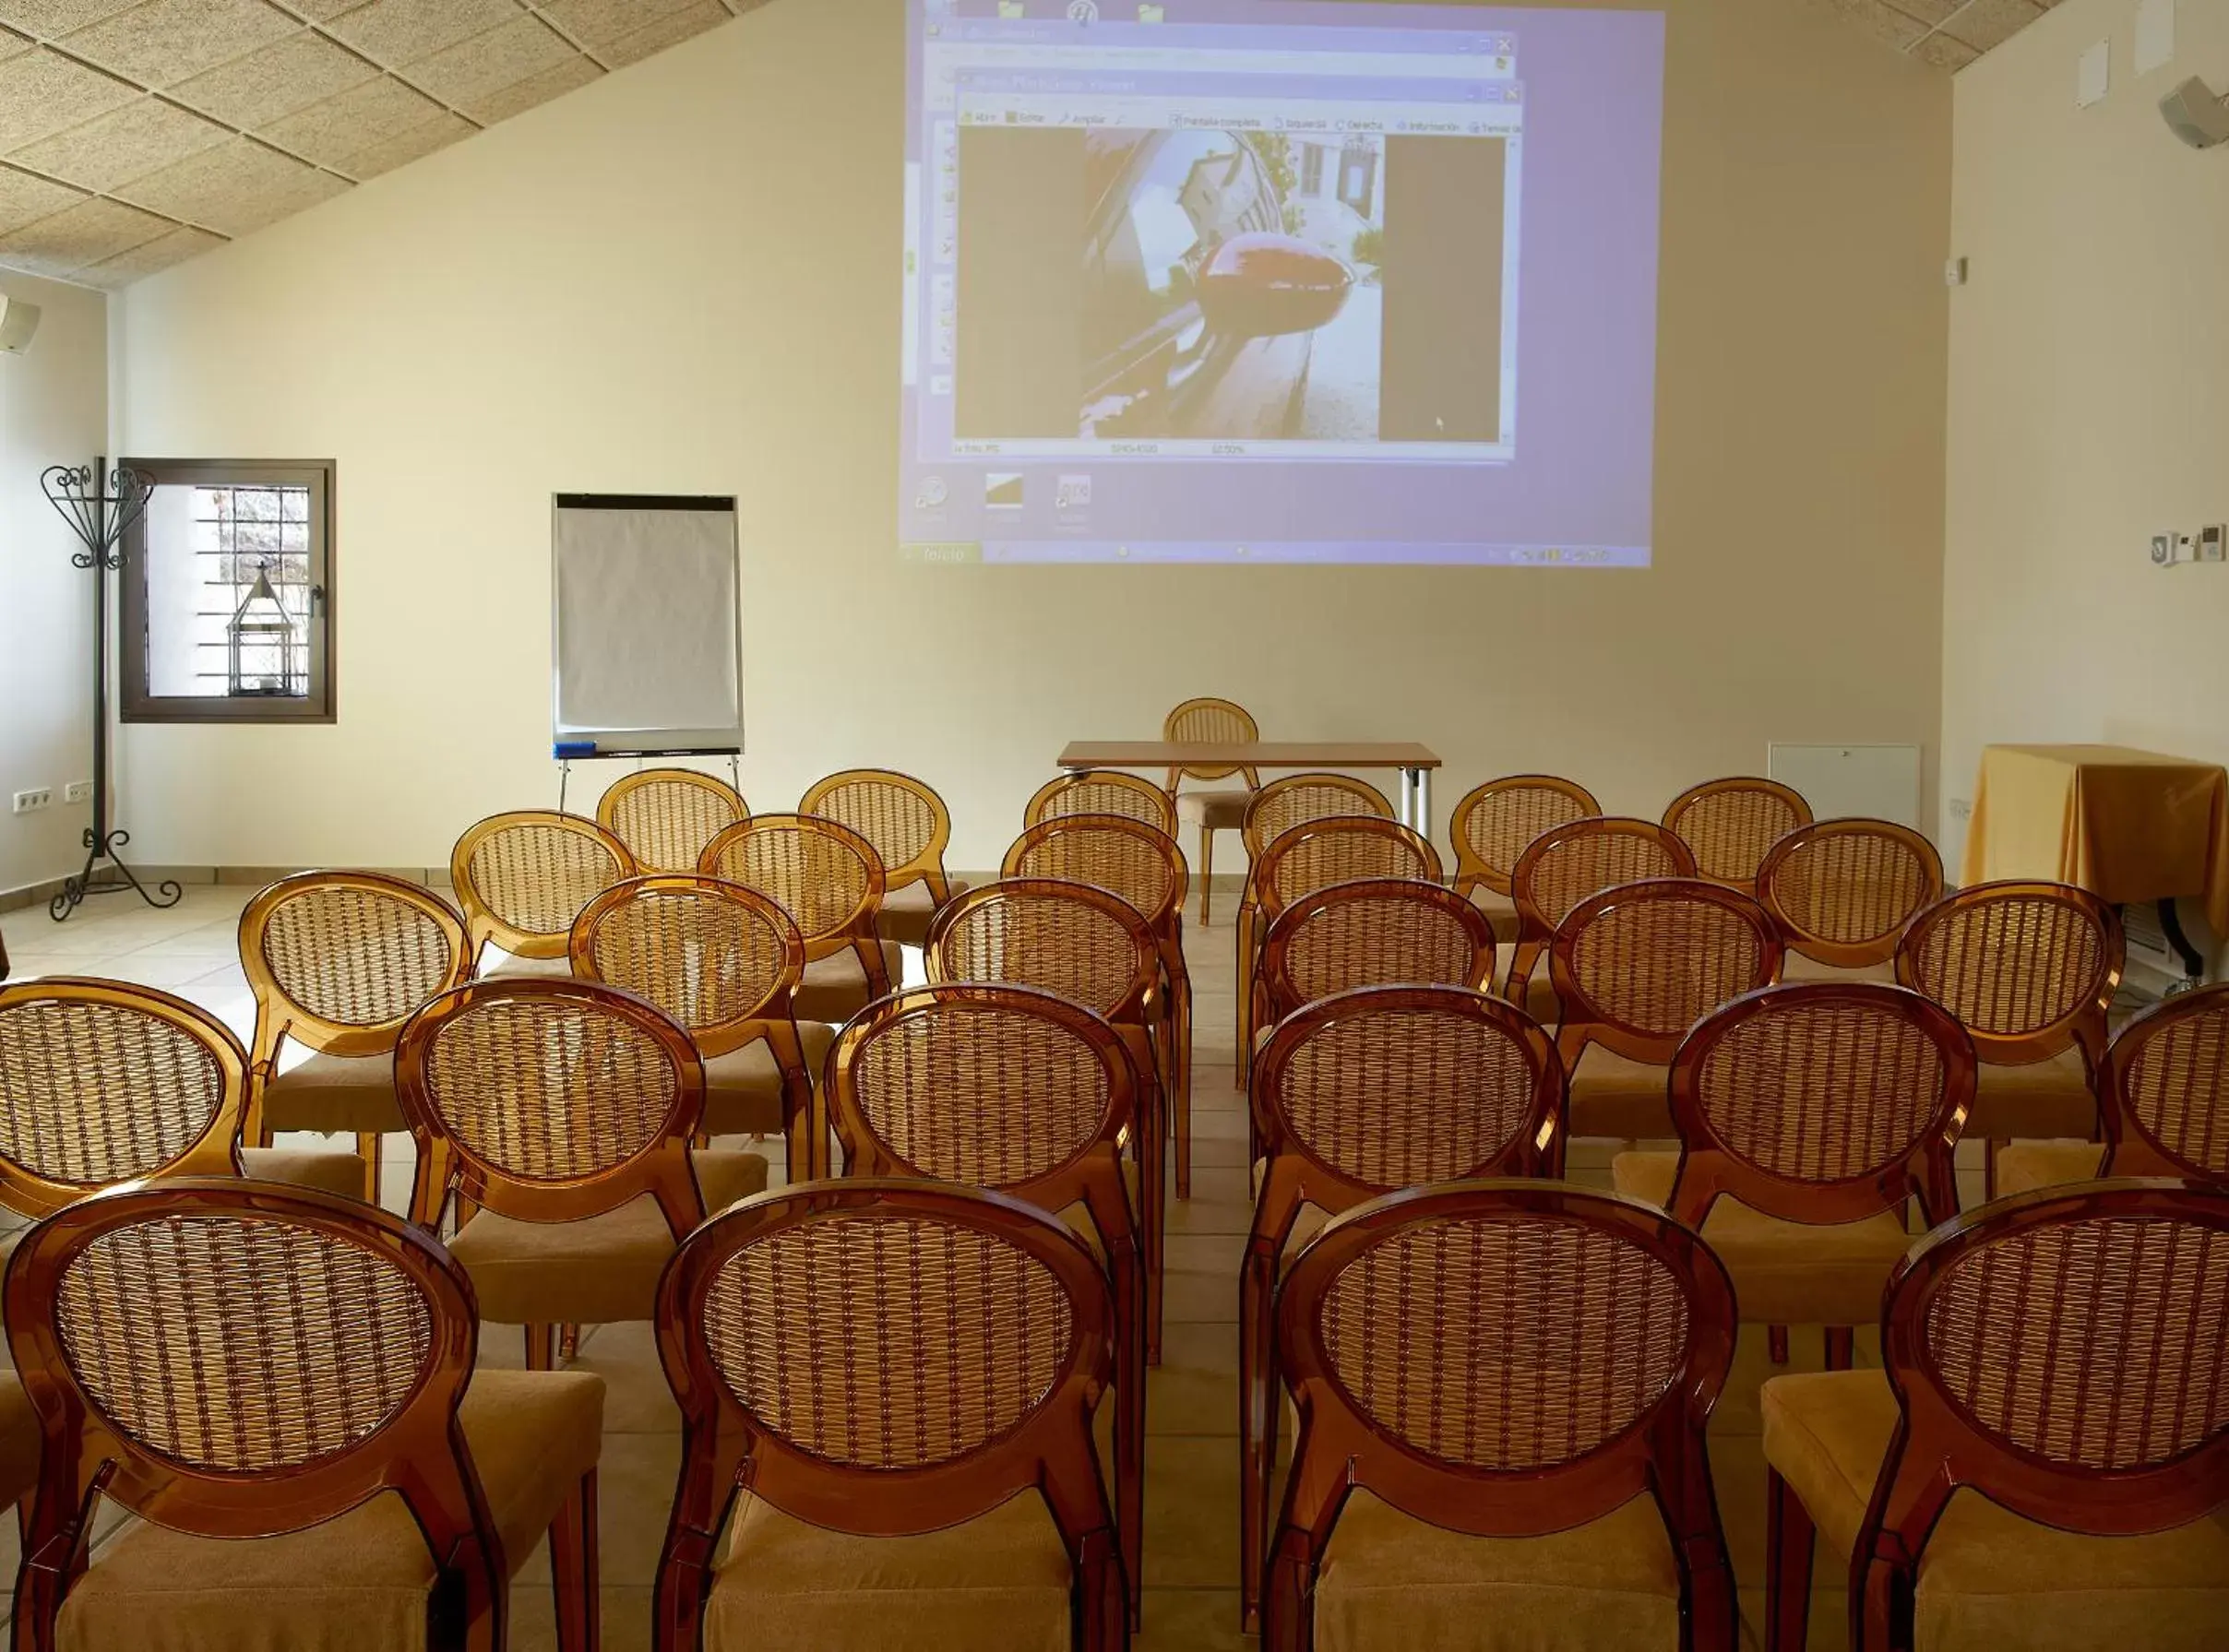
(38, 797)
(77, 791)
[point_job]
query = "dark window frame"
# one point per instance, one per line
(135, 703)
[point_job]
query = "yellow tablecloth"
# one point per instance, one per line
(2127, 825)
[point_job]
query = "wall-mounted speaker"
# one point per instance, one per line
(18, 321)
(2196, 115)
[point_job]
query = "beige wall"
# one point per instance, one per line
(684, 278)
(2089, 402)
(54, 410)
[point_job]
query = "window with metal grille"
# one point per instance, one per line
(227, 594)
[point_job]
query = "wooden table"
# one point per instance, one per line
(1415, 763)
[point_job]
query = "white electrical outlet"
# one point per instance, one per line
(77, 791)
(38, 797)
(2213, 542)
(1961, 808)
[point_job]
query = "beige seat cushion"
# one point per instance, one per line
(1000, 1580)
(1390, 1583)
(336, 1095)
(514, 969)
(1218, 811)
(835, 989)
(2024, 1167)
(326, 1168)
(2043, 1099)
(19, 1442)
(1785, 1272)
(1987, 1577)
(743, 1088)
(601, 1271)
(1501, 911)
(1627, 1100)
(357, 1584)
(1796, 966)
(907, 913)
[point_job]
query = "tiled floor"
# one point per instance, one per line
(1191, 1537)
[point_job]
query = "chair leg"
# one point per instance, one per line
(1130, 1419)
(1776, 1344)
(1989, 1172)
(367, 1150)
(1789, 1538)
(1207, 870)
(540, 1348)
(1879, 1615)
(573, 1566)
(1184, 1088)
(1257, 1427)
(1841, 1348)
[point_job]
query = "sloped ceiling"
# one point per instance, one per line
(135, 134)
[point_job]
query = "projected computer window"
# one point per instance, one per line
(1247, 279)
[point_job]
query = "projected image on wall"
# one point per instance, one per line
(1282, 281)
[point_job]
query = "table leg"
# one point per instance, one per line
(1423, 803)
(1408, 798)
(2171, 926)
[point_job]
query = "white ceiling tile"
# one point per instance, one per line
(317, 11)
(42, 92)
(25, 199)
(667, 31)
(287, 75)
(411, 146)
(1879, 19)
(1988, 23)
(163, 42)
(402, 31)
(123, 144)
(487, 62)
(144, 260)
(575, 71)
(235, 189)
(332, 131)
(11, 43)
(593, 22)
(78, 235)
(1944, 52)
(53, 18)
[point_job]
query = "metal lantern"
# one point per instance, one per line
(260, 643)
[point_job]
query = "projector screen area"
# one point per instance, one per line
(1280, 281)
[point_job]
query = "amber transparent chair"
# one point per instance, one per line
(1091, 949)
(666, 816)
(1811, 1118)
(1520, 1375)
(1285, 802)
(1145, 868)
(1362, 1094)
(523, 877)
(909, 828)
(913, 1446)
(1562, 867)
(1371, 933)
(1731, 826)
(1015, 1090)
(1494, 825)
(558, 1113)
(830, 880)
(230, 1360)
(2058, 1359)
(1842, 891)
(338, 961)
(724, 962)
(1212, 811)
(2030, 970)
(103, 1082)
(1102, 791)
(1635, 968)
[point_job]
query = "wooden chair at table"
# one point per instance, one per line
(233, 1359)
(338, 961)
(905, 1459)
(1842, 891)
(1356, 1095)
(1015, 1090)
(828, 878)
(2030, 970)
(1092, 948)
(523, 877)
(1635, 968)
(1519, 1375)
(909, 828)
(1731, 826)
(667, 817)
(2164, 1095)
(1144, 867)
(1494, 825)
(1811, 1117)
(1562, 867)
(1102, 791)
(724, 962)
(560, 1113)
(1371, 933)
(1287, 801)
(1218, 721)
(2045, 1461)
